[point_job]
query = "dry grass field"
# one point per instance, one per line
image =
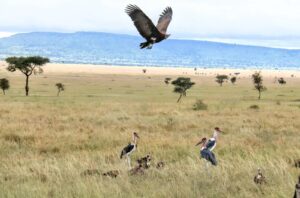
(46, 142)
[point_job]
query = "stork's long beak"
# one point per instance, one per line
(199, 142)
(219, 131)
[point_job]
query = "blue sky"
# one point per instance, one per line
(251, 20)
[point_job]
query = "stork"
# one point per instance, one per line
(212, 142)
(130, 148)
(206, 153)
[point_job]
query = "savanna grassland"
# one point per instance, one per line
(46, 141)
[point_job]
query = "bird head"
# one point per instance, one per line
(167, 36)
(136, 135)
(217, 129)
(201, 142)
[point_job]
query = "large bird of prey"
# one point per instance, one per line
(153, 34)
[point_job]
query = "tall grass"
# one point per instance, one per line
(47, 142)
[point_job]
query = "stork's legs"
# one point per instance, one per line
(128, 161)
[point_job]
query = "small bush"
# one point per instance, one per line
(49, 150)
(13, 138)
(170, 124)
(18, 139)
(254, 107)
(281, 81)
(199, 105)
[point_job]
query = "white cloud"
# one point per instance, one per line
(6, 34)
(192, 18)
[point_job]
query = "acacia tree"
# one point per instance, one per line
(281, 81)
(4, 85)
(28, 66)
(167, 80)
(221, 78)
(60, 87)
(258, 83)
(181, 86)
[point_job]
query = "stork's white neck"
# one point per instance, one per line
(134, 139)
(215, 135)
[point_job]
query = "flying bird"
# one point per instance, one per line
(146, 28)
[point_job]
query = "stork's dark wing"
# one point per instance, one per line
(143, 24)
(126, 149)
(210, 144)
(164, 20)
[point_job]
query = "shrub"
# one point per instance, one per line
(221, 79)
(254, 107)
(4, 85)
(60, 87)
(167, 80)
(233, 80)
(13, 138)
(199, 105)
(281, 81)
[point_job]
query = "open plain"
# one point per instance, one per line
(46, 141)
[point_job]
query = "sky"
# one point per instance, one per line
(227, 20)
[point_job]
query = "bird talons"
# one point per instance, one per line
(149, 47)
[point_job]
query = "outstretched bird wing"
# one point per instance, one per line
(143, 24)
(164, 20)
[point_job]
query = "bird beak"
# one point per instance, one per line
(199, 143)
(220, 131)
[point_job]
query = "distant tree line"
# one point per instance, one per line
(32, 65)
